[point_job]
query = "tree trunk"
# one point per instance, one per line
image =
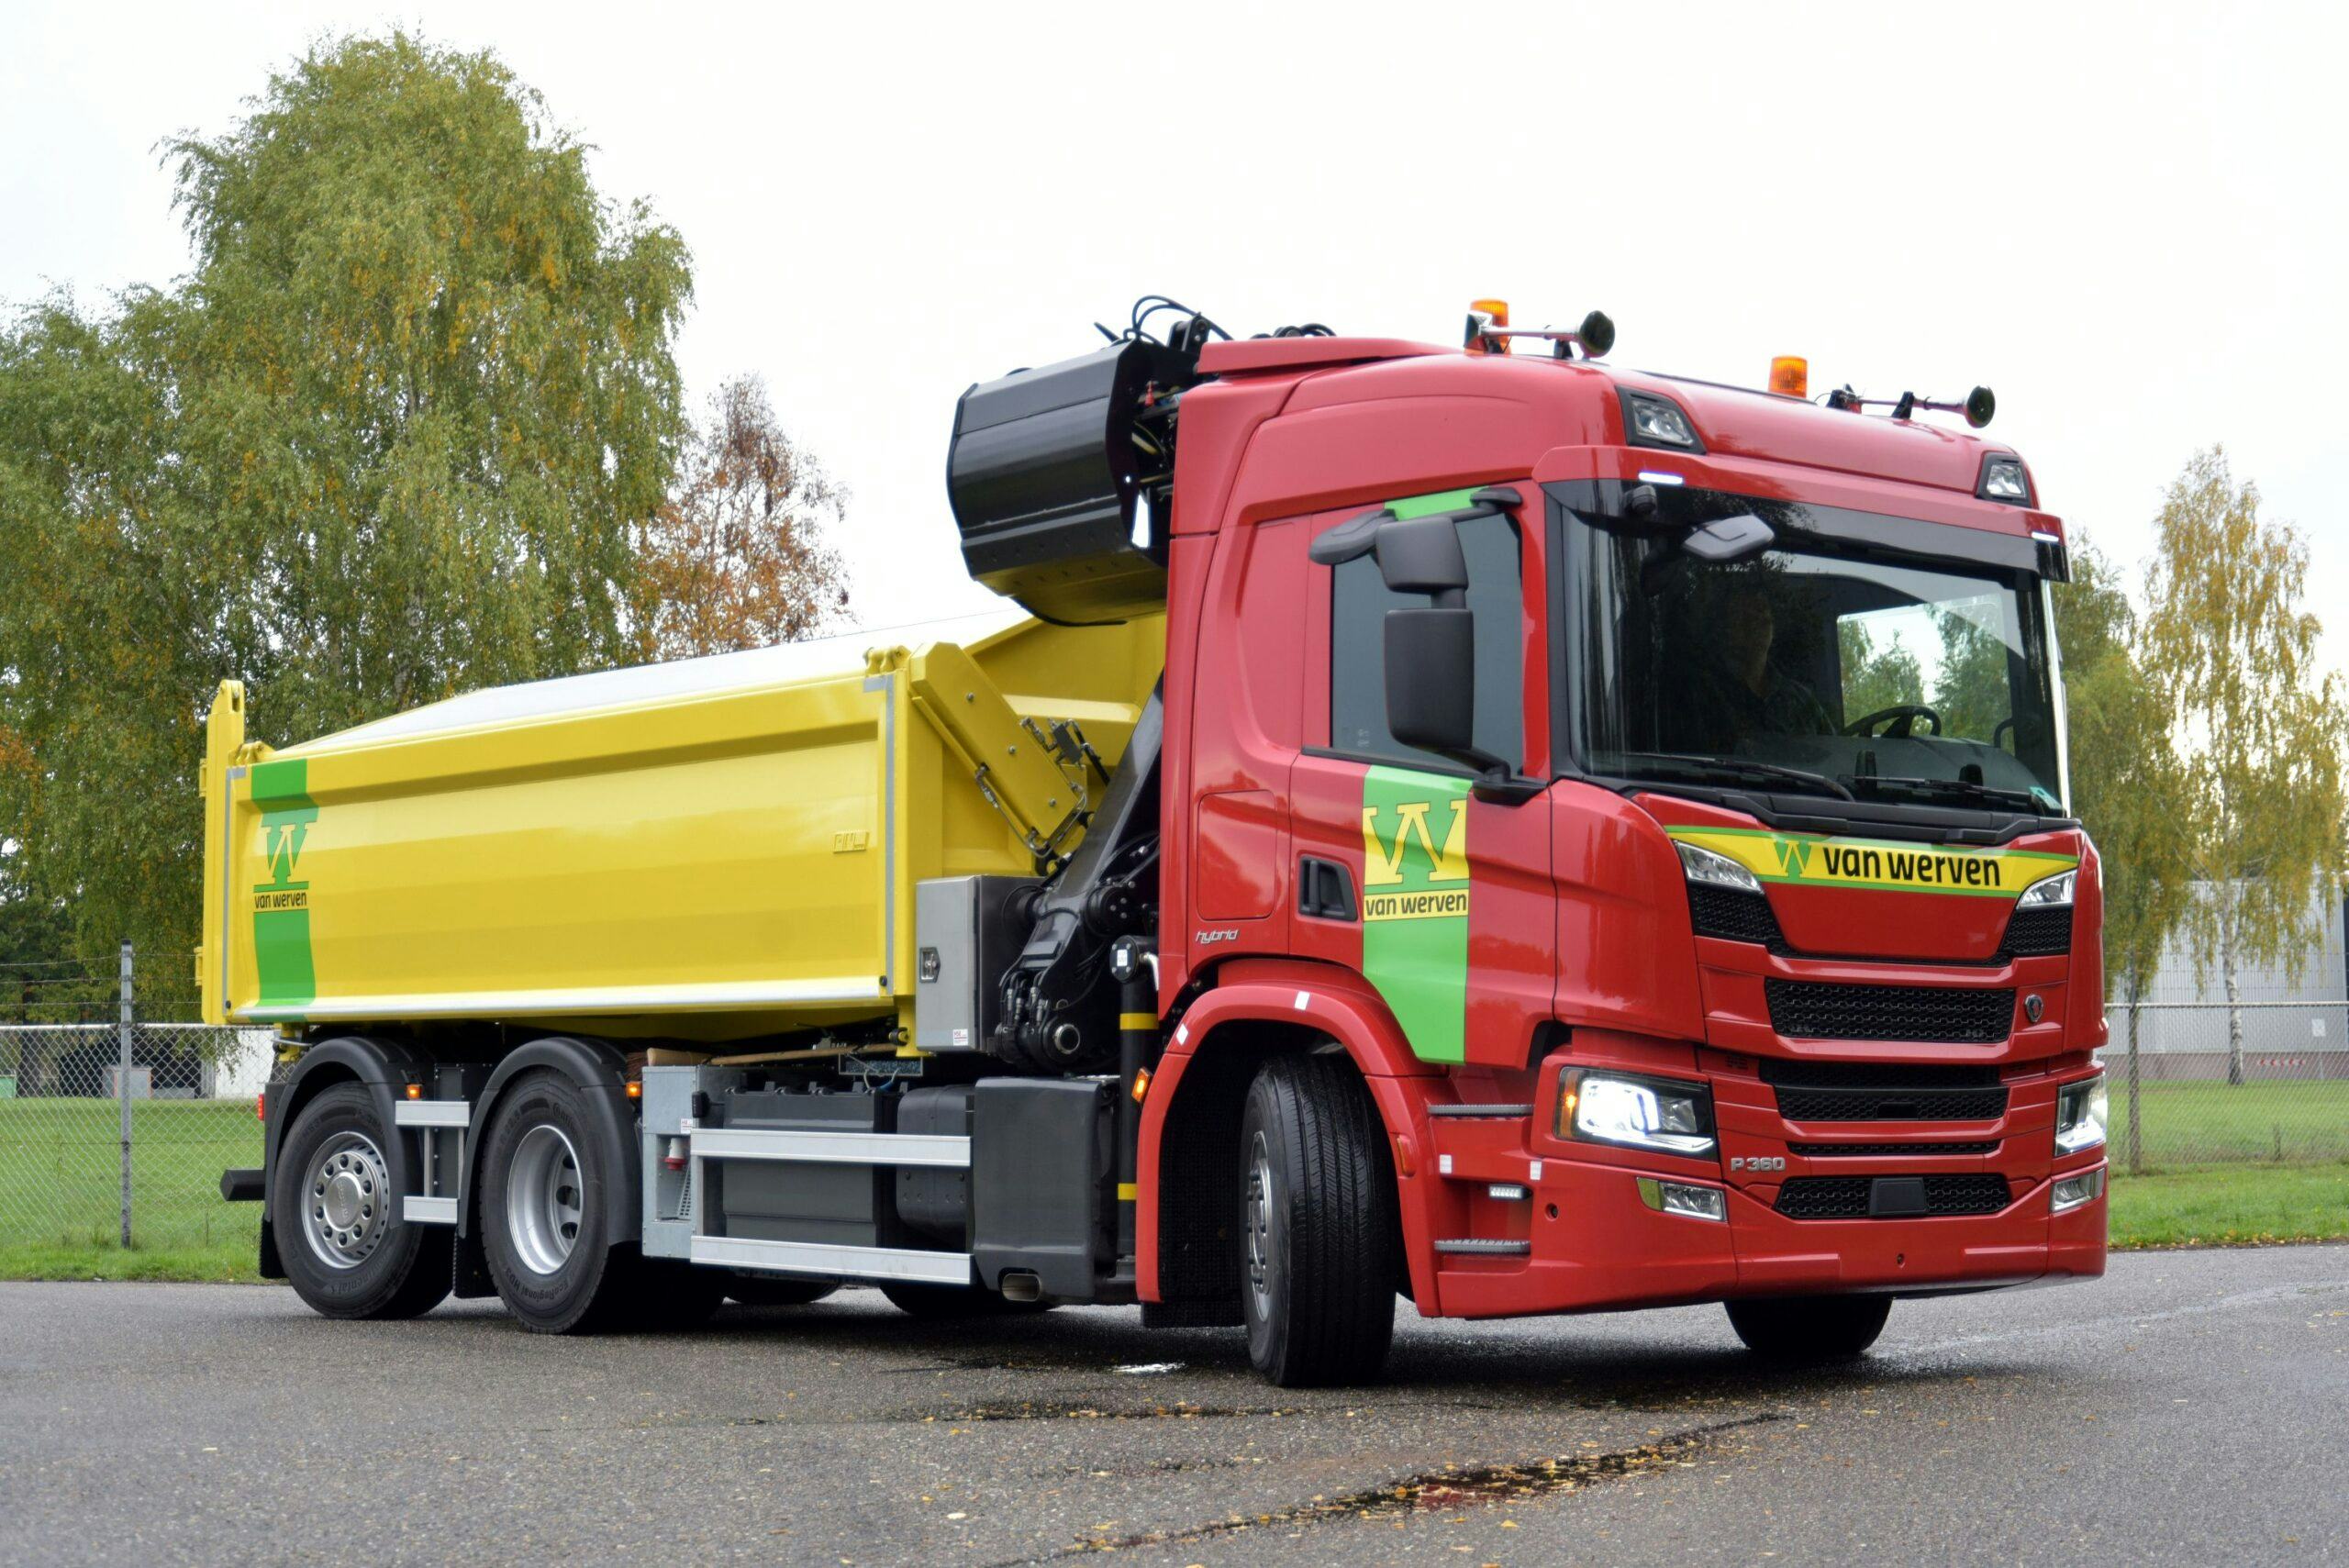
(2136, 993)
(2228, 893)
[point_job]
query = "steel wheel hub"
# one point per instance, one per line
(347, 1206)
(543, 1199)
(1258, 1223)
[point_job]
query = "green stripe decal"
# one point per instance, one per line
(1420, 505)
(1415, 903)
(281, 902)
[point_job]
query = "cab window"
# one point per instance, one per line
(1358, 606)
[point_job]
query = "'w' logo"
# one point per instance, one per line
(283, 834)
(1384, 856)
(1794, 857)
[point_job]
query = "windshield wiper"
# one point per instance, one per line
(1956, 791)
(1742, 770)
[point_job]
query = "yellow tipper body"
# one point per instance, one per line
(709, 850)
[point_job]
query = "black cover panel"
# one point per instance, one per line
(1043, 1182)
(1044, 470)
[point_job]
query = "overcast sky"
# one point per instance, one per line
(2131, 223)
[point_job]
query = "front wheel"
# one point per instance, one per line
(1809, 1330)
(1318, 1230)
(346, 1249)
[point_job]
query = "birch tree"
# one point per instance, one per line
(389, 439)
(2257, 724)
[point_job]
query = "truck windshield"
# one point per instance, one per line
(1821, 665)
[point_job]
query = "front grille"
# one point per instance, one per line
(1869, 1091)
(1914, 1150)
(2039, 933)
(1820, 1009)
(1846, 1197)
(1737, 916)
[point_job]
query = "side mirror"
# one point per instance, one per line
(1431, 678)
(1431, 652)
(1423, 555)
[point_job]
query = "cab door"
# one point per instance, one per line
(1443, 901)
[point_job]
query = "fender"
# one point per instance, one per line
(384, 1066)
(1340, 1003)
(597, 1068)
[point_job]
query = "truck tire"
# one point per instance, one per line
(345, 1247)
(1318, 1232)
(945, 1303)
(778, 1290)
(544, 1201)
(1809, 1330)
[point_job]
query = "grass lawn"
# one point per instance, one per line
(60, 1190)
(2213, 1204)
(2213, 1146)
(2212, 1123)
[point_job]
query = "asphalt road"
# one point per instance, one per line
(2191, 1407)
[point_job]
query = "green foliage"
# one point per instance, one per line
(1973, 690)
(2127, 786)
(2257, 721)
(392, 439)
(1875, 678)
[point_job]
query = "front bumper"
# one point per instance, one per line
(1594, 1246)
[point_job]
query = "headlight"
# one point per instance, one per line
(1714, 870)
(2080, 1115)
(2050, 892)
(1636, 1113)
(2073, 1190)
(1653, 421)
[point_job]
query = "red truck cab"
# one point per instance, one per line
(1745, 951)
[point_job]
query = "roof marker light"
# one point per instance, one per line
(1484, 313)
(2003, 479)
(1790, 375)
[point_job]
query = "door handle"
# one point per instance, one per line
(1325, 890)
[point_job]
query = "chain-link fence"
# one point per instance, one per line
(2200, 1083)
(115, 1128)
(111, 1129)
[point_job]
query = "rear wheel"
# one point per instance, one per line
(345, 1247)
(546, 1210)
(1809, 1330)
(778, 1290)
(1319, 1231)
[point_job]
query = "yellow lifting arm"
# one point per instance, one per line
(1009, 758)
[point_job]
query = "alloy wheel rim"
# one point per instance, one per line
(543, 1199)
(346, 1200)
(1258, 1222)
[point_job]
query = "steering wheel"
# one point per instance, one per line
(1904, 717)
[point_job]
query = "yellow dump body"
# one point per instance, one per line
(706, 850)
